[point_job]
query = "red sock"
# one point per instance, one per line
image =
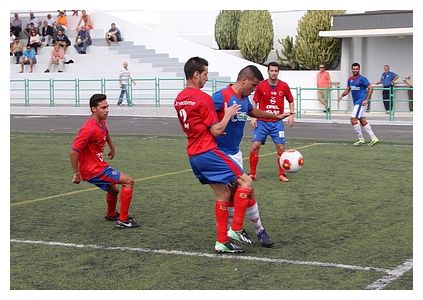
(125, 202)
(254, 159)
(111, 204)
(241, 198)
(221, 213)
(281, 171)
(251, 202)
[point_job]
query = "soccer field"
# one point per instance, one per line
(344, 222)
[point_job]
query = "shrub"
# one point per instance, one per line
(226, 29)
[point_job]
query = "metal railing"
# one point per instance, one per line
(162, 91)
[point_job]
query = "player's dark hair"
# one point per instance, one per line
(193, 65)
(273, 64)
(250, 72)
(355, 65)
(95, 99)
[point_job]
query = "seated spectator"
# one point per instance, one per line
(57, 57)
(62, 39)
(113, 35)
(29, 28)
(62, 19)
(47, 33)
(50, 20)
(85, 20)
(34, 41)
(83, 40)
(28, 57)
(17, 49)
(57, 27)
(16, 25)
(33, 19)
(12, 39)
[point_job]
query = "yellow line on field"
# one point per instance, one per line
(139, 179)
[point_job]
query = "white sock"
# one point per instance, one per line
(253, 215)
(357, 129)
(369, 131)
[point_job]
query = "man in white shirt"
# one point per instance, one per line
(124, 77)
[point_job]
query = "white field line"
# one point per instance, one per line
(209, 255)
(391, 276)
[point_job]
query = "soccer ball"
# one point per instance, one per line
(291, 160)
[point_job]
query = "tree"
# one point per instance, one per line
(255, 35)
(287, 56)
(311, 49)
(226, 29)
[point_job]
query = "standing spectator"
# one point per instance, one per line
(83, 40)
(269, 96)
(34, 41)
(361, 91)
(28, 57)
(409, 83)
(62, 19)
(17, 49)
(47, 33)
(323, 82)
(86, 156)
(388, 79)
(16, 25)
(57, 57)
(124, 77)
(62, 39)
(85, 20)
(247, 80)
(113, 35)
(210, 165)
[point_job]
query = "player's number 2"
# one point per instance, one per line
(183, 115)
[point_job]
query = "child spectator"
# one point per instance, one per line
(113, 35)
(28, 57)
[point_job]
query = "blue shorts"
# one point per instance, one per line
(215, 166)
(106, 178)
(275, 129)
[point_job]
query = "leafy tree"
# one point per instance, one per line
(226, 29)
(255, 35)
(311, 49)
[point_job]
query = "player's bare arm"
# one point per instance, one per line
(74, 158)
(253, 120)
(369, 95)
(344, 93)
(112, 151)
(219, 128)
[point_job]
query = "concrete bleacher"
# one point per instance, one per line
(101, 61)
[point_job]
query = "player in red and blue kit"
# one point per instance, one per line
(247, 80)
(210, 165)
(86, 156)
(269, 96)
(361, 91)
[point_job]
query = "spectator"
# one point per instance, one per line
(62, 19)
(323, 82)
(409, 83)
(57, 27)
(83, 40)
(124, 78)
(16, 25)
(85, 20)
(62, 39)
(50, 20)
(34, 41)
(29, 28)
(113, 35)
(12, 39)
(387, 79)
(28, 57)
(33, 19)
(47, 33)
(17, 49)
(57, 57)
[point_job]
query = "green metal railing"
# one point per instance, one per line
(162, 91)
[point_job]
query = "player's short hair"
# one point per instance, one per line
(250, 72)
(193, 65)
(95, 99)
(355, 65)
(273, 64)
